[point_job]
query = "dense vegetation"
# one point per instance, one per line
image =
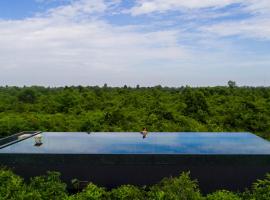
(158, 108)
(50, 187)
(104, 108)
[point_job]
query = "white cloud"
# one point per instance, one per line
(79, 8)
(256, 25)
(60, 44)
(258, 6)
(75, 44)
(149, 6)
(253, 28)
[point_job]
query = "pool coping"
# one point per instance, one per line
(7, 141)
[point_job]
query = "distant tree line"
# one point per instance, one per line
(79, 108)
(50, 187)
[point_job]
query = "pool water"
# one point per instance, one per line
(134, 143)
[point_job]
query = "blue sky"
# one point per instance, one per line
(19, 9)
(145, 42)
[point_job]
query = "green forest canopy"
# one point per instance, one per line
(50, 187)
(158, 108)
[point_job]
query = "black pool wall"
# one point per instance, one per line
(232, 172)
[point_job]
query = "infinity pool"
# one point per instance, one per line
(134, 143)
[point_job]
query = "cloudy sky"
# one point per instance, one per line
(145, 42)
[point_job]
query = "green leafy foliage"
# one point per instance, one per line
(27, 96)
(223, 195)
(260, 190)
(158, 108)
(91, 192)
(12, 187)
(10, 184)
(127, 192)
(49, 186)
(180, 188)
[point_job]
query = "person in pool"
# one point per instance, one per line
(144, 132)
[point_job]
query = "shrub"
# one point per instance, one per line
(91, 192)
(223, 195)
(180, 188)
(49, 186)
(13, 187)
(10, 184)
(261, 189)
(127, 192)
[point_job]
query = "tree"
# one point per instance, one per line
(178, 188)
(261, 189)
(128, 109)
(27, 96)
(196, 104)
(223, 195)
(231, 84)
(91, 192)
(49, 186)
(13, 187)
(127, 192)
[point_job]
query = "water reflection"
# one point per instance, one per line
(131, 143)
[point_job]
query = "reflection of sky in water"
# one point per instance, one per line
(133, 143)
